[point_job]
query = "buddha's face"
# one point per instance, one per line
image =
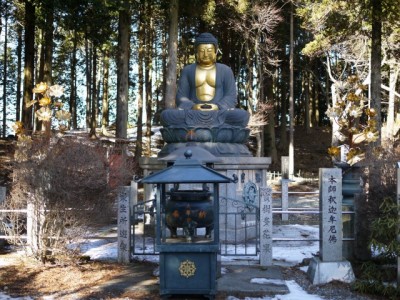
(206, 54)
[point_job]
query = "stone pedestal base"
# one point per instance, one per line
(320, 272)
(217, 149)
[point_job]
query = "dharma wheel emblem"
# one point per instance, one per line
(187, 268)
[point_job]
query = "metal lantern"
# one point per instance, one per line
(187, 232)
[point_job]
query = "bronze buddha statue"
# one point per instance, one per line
(206, 102)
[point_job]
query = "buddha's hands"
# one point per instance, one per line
(205, 106)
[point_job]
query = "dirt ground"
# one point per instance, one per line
(22, 276)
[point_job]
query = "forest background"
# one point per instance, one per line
(119, 60)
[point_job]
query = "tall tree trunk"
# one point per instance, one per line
(98, 90)
(93, 114)
(139, 131)
(376, 59)
(368, 208)
(161, 88)
(88, 62)
(170, 89)
(19, 68)
(39, 71)
(334, 123)
(283, 143)
(393, 76)
(249, 80)
(45, 57)
(291, 98)
(148, 76)
(29, 62)
(335, 98)
(72, 96)
(307, 110)
(315, 104)
(48, 43)
(328, 99)
(104, 106)
(5, 69)
(123, 71)
(269, 132)
(260, 97)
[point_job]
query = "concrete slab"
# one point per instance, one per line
(320, 272)
(251, 281)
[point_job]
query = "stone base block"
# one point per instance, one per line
(320, 272)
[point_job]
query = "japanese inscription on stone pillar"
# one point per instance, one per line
(331, 214)
(265, 226)
(124, 232)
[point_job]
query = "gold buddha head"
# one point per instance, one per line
(206, 49)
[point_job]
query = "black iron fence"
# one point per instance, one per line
(239, 223)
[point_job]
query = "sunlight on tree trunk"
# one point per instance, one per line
(27, 113)
(376, 53)
(72, 97)
(390, 125)
(149, 75)
(170, 88)
(105, 106)
(5, 71)
(139, 124)
(123, 71)
(48, 44)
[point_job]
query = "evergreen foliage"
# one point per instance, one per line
(379, 274)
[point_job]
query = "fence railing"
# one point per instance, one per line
(143, 228)
(275, 176)
(242, 241)
(238, 229)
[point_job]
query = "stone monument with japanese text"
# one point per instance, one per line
(330, 264)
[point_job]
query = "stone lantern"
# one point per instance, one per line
(187, 226)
